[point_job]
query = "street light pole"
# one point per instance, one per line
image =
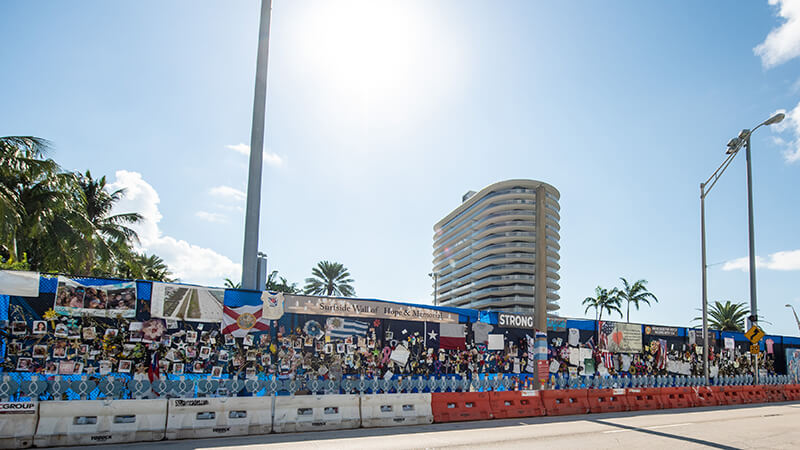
(744, 139)
(751, 238)
(705, 289)
(435, 277)
(705, 188)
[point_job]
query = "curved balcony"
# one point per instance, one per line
(489, 260)
(497, 269)
(500, 214)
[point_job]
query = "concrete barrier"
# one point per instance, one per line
(316, 412)
(386, 410)
(87, 422)
(18, 424)
(460, 406)
(214, 417)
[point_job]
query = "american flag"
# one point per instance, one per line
(606, 328)
(607, 360)
(662, 354)
(590, 343)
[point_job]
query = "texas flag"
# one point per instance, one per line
(242, 313)
(452, 336)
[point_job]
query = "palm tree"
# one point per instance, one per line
(101, 229)
(231, 285)
(329, 278)
(604, 300)
(280, 286)
(635, 293)
(33, 200)
(133, 265)
(154, 268)
(726, 317)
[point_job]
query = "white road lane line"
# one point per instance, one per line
(648, 428)
(668, 426)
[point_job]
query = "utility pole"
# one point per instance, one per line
(251, 218)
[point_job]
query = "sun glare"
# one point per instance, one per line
(386, 58)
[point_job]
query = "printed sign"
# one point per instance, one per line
(107, 300)
(347, 307)
(528, 322)
(754, 334)
(17, 408)
(656, 330)
(618, 337)
(525, 321)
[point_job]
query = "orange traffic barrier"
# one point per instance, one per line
(706, 396)
(607, 400)
(460, 406)
(754, 394)
(562, 402)
(730, 395)
(791, 391)
(774, 393)
(516, 404)
(641, 399)
(677, 397)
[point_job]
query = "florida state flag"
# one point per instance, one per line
(242, 313)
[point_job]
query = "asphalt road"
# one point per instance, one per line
(771, 426)
(209, 305)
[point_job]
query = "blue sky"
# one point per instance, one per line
(380, 115)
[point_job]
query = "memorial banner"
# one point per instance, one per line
(656, 330)
(556, 324)
(107, 300)
(696, 337)
(618, 337)
(367, 309)
(192, 303)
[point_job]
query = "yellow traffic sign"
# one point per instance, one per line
(754, 349)
(754, 334)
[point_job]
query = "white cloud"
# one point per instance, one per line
(228, 193)
(271, 159)
(790, 124)
(783, 43)
(785, 261)
(211, 216)
(189, 262)
(241, 147)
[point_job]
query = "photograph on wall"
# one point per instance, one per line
(108, 300)
(190, 303)
(618, 337)
(39, 327)
(793, 364)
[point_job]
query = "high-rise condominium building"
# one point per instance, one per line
(499, 249)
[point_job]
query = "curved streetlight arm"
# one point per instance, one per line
(795, 316)
(705, 188)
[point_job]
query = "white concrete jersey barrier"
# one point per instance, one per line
(386, 410)
(316, 412)
(214, 417)
(87, 422)
(17, 424)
